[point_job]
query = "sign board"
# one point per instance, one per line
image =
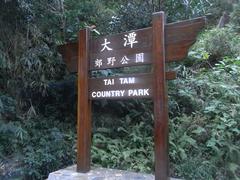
(178, 39)
(123, 87)
(125, 49)
(156, 46)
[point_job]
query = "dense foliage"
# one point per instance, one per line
(38, 98)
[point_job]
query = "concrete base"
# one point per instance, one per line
(70, 173)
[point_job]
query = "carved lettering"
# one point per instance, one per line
(108, 82)
(129, 80)
(138, 92)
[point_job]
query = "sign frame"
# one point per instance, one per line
(159, 100)
(170, 42)
(84, 118)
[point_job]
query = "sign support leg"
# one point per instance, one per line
(84, 105)
(160, 99)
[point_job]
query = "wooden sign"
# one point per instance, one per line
(125, 49)
(155, 45)
(178, 39)
(123, 87)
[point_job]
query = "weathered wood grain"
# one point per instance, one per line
(69, 53)
(160, 99)
(84, 105)
(179, 38)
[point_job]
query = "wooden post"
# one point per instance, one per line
(84, 104)
(160, 98)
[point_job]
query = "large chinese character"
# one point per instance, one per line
(140, 58)
(105, 45)
(111, 60)
(130, 39)
(98, 63)
(124, 60)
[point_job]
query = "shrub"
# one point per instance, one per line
(40, 145)
(235, 17)
(217, 43)
(212, 46)
(212, 131)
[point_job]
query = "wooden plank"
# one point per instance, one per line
(177, 52)
(84, 105)
(125, 49)
(160, 99)
(116, 42)
(124, 87)
(171, 75)
(69, 53)
(122, 58)
(121, 87)
(186, 22)
(179, 38)
(176, 34)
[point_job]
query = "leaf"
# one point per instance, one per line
(191, 141)
(122, 129)
(212, 144)
(183, 154)
(233, 167)
(126, 154)
(236, 130)
(199, 130)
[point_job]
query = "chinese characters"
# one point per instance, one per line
(130, 39)
(105, 45)
(124, 60)
(119, 61)
(98, 63)
(112, 59)
(140, 58)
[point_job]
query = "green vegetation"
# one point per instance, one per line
(38, 98)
